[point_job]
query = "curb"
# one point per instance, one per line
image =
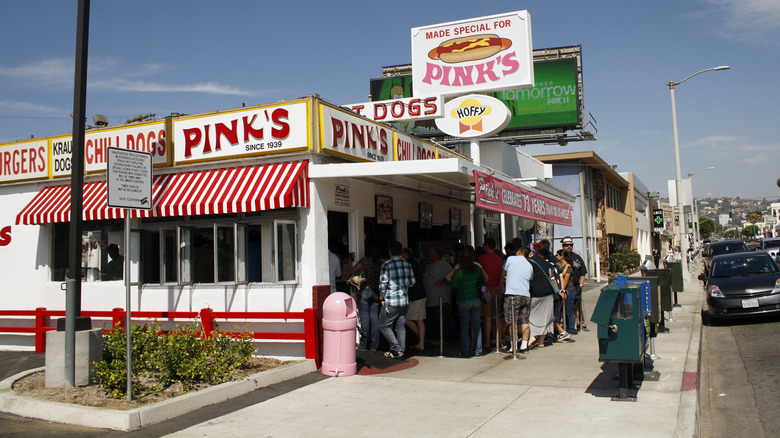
(132, 419)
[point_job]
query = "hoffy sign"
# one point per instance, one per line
(474, 116)
(483, 54)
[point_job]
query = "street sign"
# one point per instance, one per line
(129, 178)
(658, 219)
(653, 194)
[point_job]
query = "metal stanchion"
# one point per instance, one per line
(498, 326)
(563, 313)
(652, 350)
(441, 327)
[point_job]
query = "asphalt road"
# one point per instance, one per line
(740, 381)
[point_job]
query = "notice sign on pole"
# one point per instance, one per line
(129, 178)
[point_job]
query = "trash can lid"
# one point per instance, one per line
(338, 306)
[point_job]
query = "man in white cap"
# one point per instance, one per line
(578, 274)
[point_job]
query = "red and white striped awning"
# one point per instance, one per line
(217, 191)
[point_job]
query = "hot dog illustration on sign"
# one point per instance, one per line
(469, 48)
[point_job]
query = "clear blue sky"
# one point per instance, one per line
(201, 56)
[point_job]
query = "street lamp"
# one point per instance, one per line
(678, 183)
(695, 206)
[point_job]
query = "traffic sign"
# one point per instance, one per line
(129, 178)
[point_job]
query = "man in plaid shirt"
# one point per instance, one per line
(395, 277)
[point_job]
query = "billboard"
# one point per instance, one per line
(553, 101)
(475, 55)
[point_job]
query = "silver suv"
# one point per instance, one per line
(771, 245)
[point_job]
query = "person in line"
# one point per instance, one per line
(541, 315)
(492, 263)
(437, 287)
(517, 274)
(564, 258)
(115, 267)
(578, 275)
(415, 318)
(395, 278)
(368, 299)
(465, 281)
(334, 268)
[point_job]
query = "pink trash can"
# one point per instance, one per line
(339, 326)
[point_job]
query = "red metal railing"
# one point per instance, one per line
(310, 335)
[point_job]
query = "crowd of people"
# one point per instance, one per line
(524, 298)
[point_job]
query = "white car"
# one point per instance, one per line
(771, 245)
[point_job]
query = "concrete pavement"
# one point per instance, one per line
(559, 390)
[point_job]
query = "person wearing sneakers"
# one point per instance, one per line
(518, 274)
(395, 278)
(578, 273)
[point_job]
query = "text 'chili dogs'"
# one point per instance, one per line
(469, 48)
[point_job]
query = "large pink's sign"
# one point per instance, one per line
(504, 197)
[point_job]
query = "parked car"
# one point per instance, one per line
(722, 247)
(742, 284)
(771, 245)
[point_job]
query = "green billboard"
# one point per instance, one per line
(552, 101)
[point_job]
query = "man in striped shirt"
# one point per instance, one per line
(395, 278)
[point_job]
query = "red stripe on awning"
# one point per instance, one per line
(218, 191)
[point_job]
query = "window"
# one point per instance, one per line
(613, 198)
(286, 245)
(185, 251)
(223, 252)
(100, 261)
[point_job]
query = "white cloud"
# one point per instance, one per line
(21, 108)
(755, 159)
(50, 73)
(58, 74)
(127, 85)
(749, 21)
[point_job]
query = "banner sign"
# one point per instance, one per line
(24, 161)
(401, 110)
(148, 137)
(344, 133)
(240, 133)
(476, 55)
(504, 197)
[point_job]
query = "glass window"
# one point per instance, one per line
(167, 252)
(225, 253)
(203, 255)
(286, 254)
(102, 251)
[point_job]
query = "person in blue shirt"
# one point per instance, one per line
(395, 278)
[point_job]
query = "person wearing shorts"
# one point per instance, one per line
(415, 317)
(517, 274)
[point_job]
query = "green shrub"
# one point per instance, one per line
(621, 262)
(179, 356)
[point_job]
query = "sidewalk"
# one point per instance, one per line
(560, 390)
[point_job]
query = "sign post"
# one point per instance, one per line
(129, 181)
